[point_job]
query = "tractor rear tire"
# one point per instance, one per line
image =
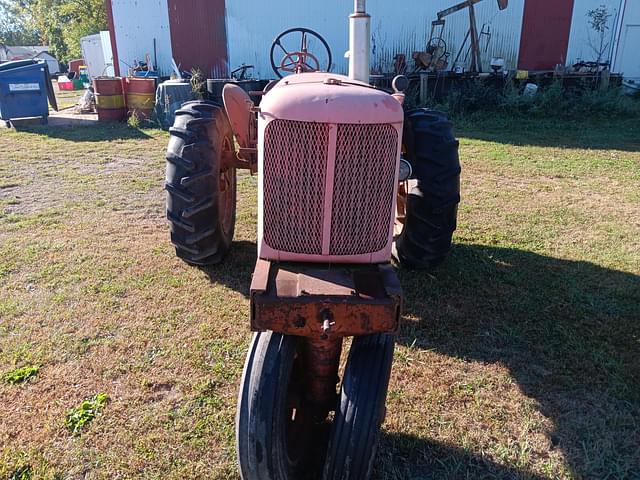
(432, 203)
(201, 183)
(356, 426)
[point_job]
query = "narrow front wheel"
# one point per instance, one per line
(354, 436)
(275, 429)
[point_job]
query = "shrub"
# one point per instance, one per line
(133, 121)
(551, 101)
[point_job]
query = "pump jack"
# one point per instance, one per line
(476, 63)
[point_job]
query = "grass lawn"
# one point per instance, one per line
(66, 98)
(518, 358)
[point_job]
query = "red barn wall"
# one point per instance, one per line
(199, 35)
(546, 25)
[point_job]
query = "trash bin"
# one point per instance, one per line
(25, 87)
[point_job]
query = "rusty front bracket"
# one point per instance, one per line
(323, 301)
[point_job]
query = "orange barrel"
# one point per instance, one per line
(109, 99)
(140, 96)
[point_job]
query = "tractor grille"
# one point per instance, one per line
(363, 188)
(295, 166)
(294, 177)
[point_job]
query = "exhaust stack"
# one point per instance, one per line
(359, 42)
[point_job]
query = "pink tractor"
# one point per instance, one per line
(347, 180)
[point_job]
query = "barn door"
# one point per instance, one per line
(545, 34)
(199, 36)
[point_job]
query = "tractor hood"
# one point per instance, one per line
(329, 98)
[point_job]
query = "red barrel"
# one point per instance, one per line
(140, 96)
(109, 99)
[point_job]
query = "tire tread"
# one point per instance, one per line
(360, 413)
(193, 157)
(432, 205)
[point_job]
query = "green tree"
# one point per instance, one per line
(598, 19)
(59, 23)
(14, 27)
(81, 18)
(45, 18)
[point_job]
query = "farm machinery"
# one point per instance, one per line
(346, 180)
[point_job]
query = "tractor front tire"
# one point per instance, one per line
(361, 411)
(274, 433)
(201, 183)
(432, 203)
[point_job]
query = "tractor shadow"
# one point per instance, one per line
(618, 134)
(407, 457)
(79, 131)
(236, 268)
(568, 333)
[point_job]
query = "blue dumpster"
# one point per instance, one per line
(25, 88)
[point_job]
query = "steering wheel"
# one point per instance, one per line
(298, 61)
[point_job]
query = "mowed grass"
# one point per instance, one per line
(518, 358)
(66, 98)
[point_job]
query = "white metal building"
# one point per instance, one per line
(626, 50)
(529, 34)
(396, 27)
(97, 54)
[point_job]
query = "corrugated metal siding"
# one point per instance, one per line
(198, 35)
(105, 39)
(136, 24)
(581, 33)
(396, 27)
(627, 56)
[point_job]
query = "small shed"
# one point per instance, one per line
(52, 63)
(9, 53)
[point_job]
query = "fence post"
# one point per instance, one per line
(424, 83)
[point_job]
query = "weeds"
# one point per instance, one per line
(24, 472)
(133, 121)
(555, 101)
(79, 416)
(198, 83)
(20, 375)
